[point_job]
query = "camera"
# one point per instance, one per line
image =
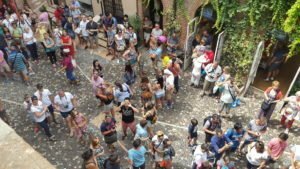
(66, 106)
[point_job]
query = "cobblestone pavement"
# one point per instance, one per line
(65, 153)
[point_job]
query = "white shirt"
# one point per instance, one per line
(170, 82)
(199, 155)
(64, 103)
(256, 158)
(28, 36)
(156, 33)
(211, 73)
(296, 150)
(38, 108)
(226, 96)
(82, 26)
(44, 96)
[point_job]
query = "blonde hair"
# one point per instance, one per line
(296, 164)
(227, 69)
(275, 83)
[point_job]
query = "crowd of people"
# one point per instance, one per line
(23, 32)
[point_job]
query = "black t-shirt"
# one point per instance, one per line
(127, 114)
(92, 25)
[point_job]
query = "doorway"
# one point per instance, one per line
(154, 12)
(115, 7)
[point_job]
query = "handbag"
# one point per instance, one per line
(265, 106)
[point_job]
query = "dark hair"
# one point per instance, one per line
(205, 147)
(127, 98)
(165, 142)
(283, 136)
(144, 79)
(107, 14)
(87, 155)
(219, 131)
(113, 158)
(34, 98)
(118, 84)
(143, 123)
(238, 125)
(125, 16)
(99, 67)
(215, 117)
(194, 121)
(39, 86)
(128, 68)
(260, 146)
(136, 143)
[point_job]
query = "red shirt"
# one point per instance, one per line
(67, 39)
(279, 94)
(67, 62)
(58, 13)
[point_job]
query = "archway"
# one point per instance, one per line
(154, 11)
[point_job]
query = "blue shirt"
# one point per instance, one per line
(141, 132)
(17, 59)
(122, 95)
(217, 143)
(137, 156)
(235, 137)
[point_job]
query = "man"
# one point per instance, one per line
(108, 130)
(156, 31)
(276, 147)
(125, 21)
(132, 37)
(127, 111)
(157, 146)
(39, 110)
(236, 135)
(110, 20)
(92, 28)
(84, 32)
(213, 71)
(210, 125)
(18, 63)
(172, 44)
(207, 38)
(45, 96)
(4, 68)
(137, 155)
(175, 69)
(169, 83)
(220, 143)
(147, 28)
(256, 128)
(24, 23)
(65, 102)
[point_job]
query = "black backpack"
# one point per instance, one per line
(209, 119)
(172, 151)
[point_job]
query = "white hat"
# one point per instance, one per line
(167, 71)
(66, 50)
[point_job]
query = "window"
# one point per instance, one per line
(115, 7)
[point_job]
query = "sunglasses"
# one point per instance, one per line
(160, 135)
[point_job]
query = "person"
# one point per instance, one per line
(225, 163)
(68, 66)
(92, 28)
(127, 110)
(125, 21)
(65, 103)
(3, 114)
(169, 86)
(147, 28)
(50, 49)
(272, 95)
(150, 114)
(157, 147)
(196, 72)
(45, 96)
(131, 55)
(30, 42)
(27, 107)
(89, 161)
(213, 71)
(211, 123)
(276, 147)
(142, 132)
(129, 76)
(217, 90)
(84, 32)
(75, 11)
(192, 132)
(220, 143)
(69, 27)
(256, 128)
(98, 151)
(107, 98)
(295, 156)
(57, 32)
(257, 156)
(229, 94)
(290, 111)
(40, 116)
(121, 92)
(17, 33)
(136, 155)
(207, 38)
(175, 69)
(80, 125)
(110, 41)
(18, 63)
(58, 14)
(67, 43)
(168, 153)
(97, 68)
(120, 43)
(172, 43)
(113, 162)
(200, 155)
(156, 31)
(236, 135)
(4, 68)
(108, 130)
(98, 85)
(159, 91)
(276, 61)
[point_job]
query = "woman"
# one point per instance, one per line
(150, 114)
(70, 27)
(290, 111)
(68, 67)
(89, 161)
(30, 42)
(50, 49)
(159, 91)
(131, 55)
(80, 125)
(121, 92)
(129, 76)
(272, 95)
(166, 153)
(98, 85)
(142, 132)
(107, 98)
(67, 43)
(97, 68)
(98, 151)
(120, 43)
(228, 96)
(256, 156)
(169, 86)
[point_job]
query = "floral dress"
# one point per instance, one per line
(100, 159)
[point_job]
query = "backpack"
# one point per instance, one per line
(172, 151)
(209, 119)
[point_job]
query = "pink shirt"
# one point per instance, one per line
(97, 84)
(44, 17)
(2, 60)
(277, 147)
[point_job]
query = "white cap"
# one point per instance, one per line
(298, 93)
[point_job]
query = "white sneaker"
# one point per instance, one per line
(286, 131)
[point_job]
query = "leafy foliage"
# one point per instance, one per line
(136, 22)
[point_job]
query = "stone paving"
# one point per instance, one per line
(65, 153)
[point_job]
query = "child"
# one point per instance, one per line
(27, 107)
(225, 163)
(192, 129)
(80, 124)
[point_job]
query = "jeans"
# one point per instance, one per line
(70, 75)
(52, 57)
(140, 167)
(250, 166)
(33, 51)
(44, 125)
(176, 83)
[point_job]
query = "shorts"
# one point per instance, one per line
(85, 37)
(131, 126)
(274, 66)
(93, 38)
(108, 107)
(146, 36)
(4, 68)
(65, 114)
